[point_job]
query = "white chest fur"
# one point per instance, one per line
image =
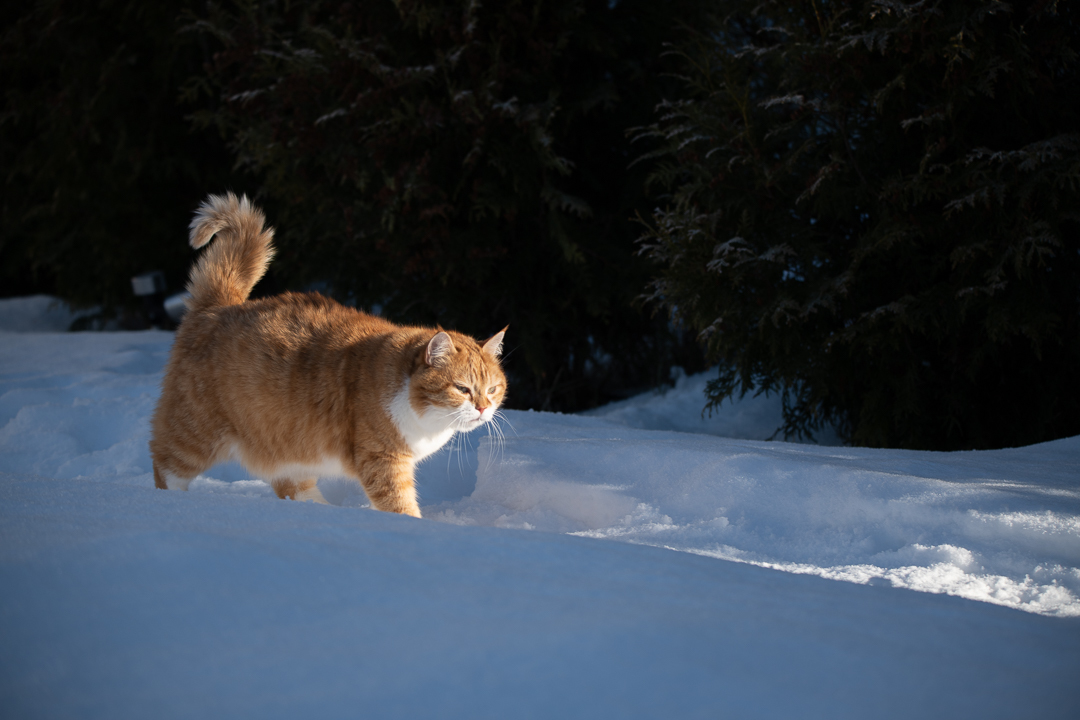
(424, 433)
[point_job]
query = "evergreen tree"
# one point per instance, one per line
(873, 208)
(457, 163)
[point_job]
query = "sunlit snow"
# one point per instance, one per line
(90, 554)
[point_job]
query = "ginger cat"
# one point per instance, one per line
(297, 387)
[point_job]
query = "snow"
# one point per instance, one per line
(599, 565)
(36, 313)
(1001, 527)
(680, 408)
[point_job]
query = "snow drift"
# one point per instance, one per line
(118, 600)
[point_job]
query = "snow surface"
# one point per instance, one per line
(118, 600)
(680, 408)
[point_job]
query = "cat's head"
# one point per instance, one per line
(461, 377)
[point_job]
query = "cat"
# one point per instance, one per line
(297, 387)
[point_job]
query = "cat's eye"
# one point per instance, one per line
(492, 389)
(462, 389)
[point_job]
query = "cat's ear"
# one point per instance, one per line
(493, 347)
(438, 349)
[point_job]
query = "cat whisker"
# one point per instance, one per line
(502, 416)
(458, 418)
(499, 418)
(450, 452)
(460, 445)
(497, 441)
(491, 452)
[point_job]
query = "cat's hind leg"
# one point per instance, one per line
(302, 490)
(178, 461)
(170, 477)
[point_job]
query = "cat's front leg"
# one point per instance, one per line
(387, 478)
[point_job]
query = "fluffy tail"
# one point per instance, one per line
(231, 266)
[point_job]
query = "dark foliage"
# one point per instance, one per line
(100, 168)
(458, 163)
(875, 210)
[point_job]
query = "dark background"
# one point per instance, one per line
(871, 209)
